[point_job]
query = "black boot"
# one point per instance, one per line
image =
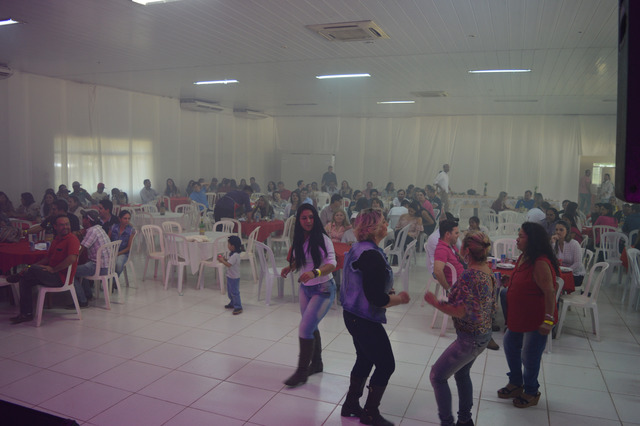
(370, 413)
(304, 358)
(351, 406)
(316, 359)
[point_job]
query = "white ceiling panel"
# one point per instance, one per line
(161, 49)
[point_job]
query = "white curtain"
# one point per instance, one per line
(54, 131)
(508, 153)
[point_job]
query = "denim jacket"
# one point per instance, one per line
(352, 294)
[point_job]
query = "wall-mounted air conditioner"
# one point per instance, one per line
(5, 72)
(200, 106)
(250, 114)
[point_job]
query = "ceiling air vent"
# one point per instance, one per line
(349, 31)
(200, 106)
(430, 94)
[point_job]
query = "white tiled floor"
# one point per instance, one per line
(159, 358)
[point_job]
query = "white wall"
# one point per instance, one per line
(120, 138)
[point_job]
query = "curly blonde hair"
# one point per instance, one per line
(366, 224)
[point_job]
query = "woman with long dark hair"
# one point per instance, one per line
(568, 251)
(313, 257)
(28, 208)
(531, 314)
(171, 190)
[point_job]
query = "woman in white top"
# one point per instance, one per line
(313, 257)
(568, 251)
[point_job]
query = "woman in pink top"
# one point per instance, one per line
(338, 226)
(605, 219)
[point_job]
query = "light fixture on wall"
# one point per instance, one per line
(498, 71)
(149, 2)
(8, 21)
(395, 102)
(229, 81)
(324, 77)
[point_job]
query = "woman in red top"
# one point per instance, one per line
(532, 311)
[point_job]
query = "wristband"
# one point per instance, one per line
(548, 322)
(319, 272)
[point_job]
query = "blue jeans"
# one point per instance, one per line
(315, 301)
(457, 360)
(120, 261)
(84, 288)
(585, 203)
(233, 288)
(524, 349)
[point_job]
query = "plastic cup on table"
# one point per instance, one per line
(494, 263)
(503, 258)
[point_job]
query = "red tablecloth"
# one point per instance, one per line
(341, 249)
(266, 228)
(14, 254)
(569, 283)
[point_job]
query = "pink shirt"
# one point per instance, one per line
(585, 185)
(446, 253)
(429, 207)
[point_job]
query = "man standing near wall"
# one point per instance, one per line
(328, 177)
(606, 189)
(442, 184)
(584, 192)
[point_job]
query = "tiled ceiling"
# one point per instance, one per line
(161, 49)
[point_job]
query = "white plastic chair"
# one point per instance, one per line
(219, 247)
(112, 254)
(149, 208)
(154, 239)
(224, 225)
(506, 246)
(211, 199)
(15, 288)
(177, 255)
(508, 228)
(633, 236)
(508, 216)
(116, 210)
(610, 243)
(287, 234)
(322, 198)
(67, 286)
(397, 249)
(21, 224)
(402, 270)
(587, 300)
(441, 294)
(560, 283)
(249, 253)
(587, 258)
(173, 227)
(597, 234)
(269, 273)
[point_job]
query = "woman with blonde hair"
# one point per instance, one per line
(338, 226)
(367, 282)
(471, 303)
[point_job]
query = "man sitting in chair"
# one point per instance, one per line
(50, 271)
(94, 238)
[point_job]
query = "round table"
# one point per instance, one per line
(14, 254)
(267, 227)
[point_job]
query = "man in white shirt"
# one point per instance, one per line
(442, 184)
(148, 194)
(100, 194)
(606, 189)
(397, 202)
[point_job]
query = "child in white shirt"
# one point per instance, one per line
(233, 274)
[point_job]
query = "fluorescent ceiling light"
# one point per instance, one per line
(322, 77)
(8, 22)
(396, 102)
(216, 82)
(497, 71)
(147, 2)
